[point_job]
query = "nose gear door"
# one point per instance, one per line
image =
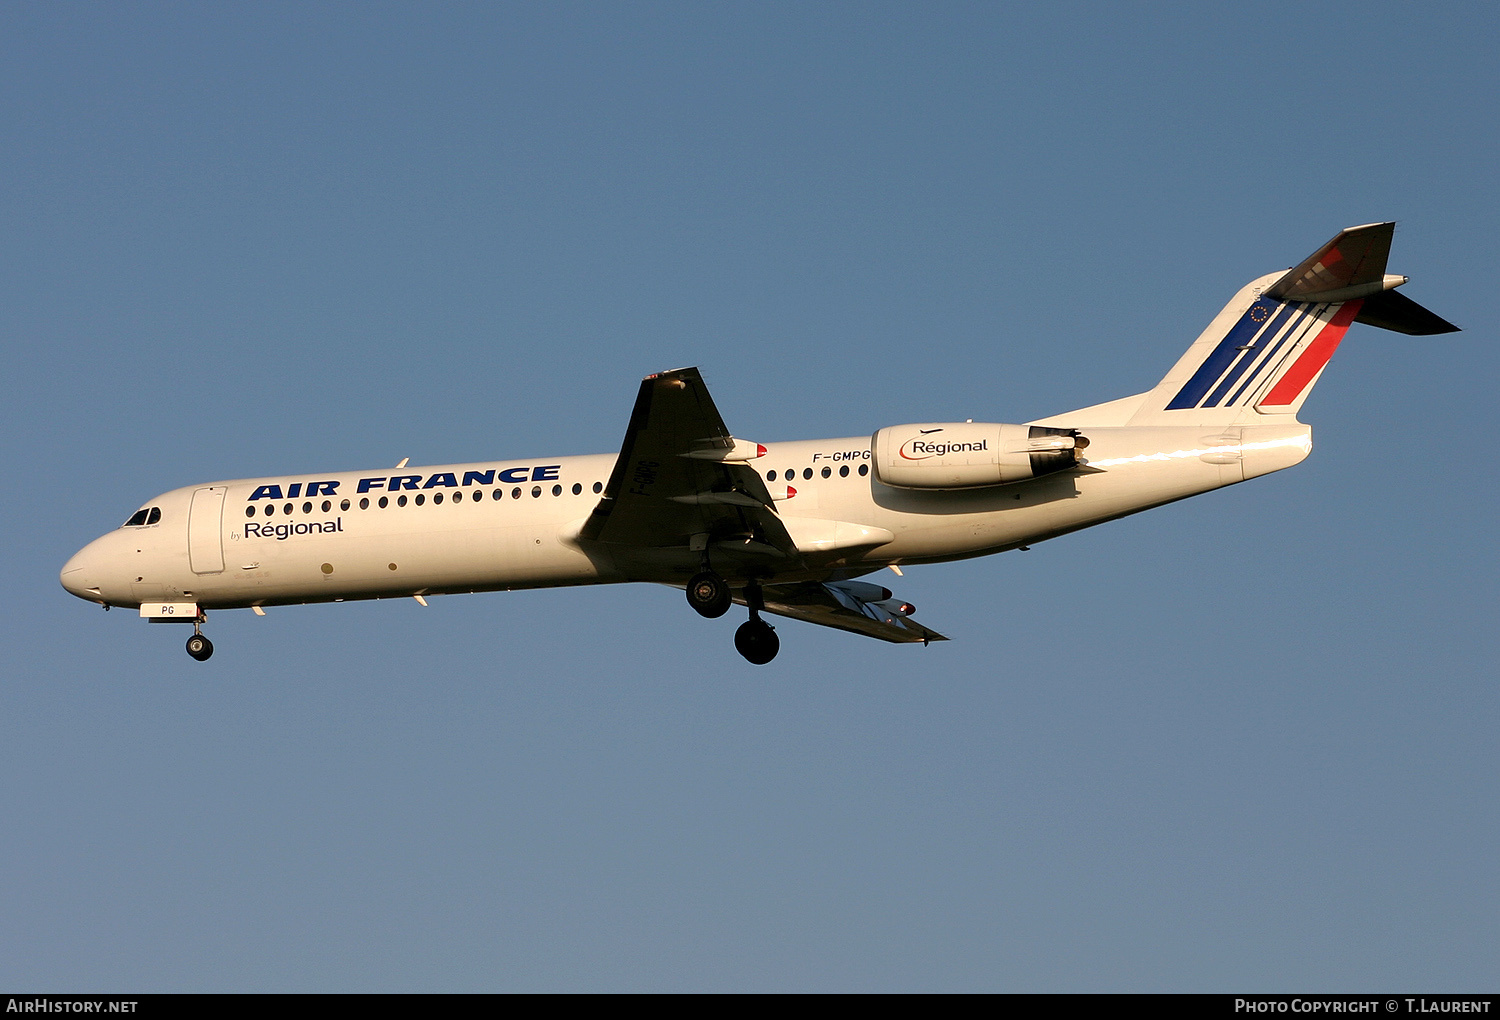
(206, 530)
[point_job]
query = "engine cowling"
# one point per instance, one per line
(971, 455)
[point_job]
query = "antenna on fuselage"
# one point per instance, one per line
(403, 462)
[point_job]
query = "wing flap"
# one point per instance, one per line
(842, 608)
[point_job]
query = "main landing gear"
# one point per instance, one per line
(198, 646)
(756, 639)
(710, 596)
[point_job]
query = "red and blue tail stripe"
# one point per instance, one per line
(1276, 344)
(1251, 355)
(1302, 372)
(1292, 313)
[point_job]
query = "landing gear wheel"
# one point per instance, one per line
(709, 595)
(199, 647)
(756, 640)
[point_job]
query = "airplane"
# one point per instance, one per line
(779, 528)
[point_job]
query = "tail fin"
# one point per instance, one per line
(1262, 355)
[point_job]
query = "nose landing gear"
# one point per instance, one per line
(198, 646)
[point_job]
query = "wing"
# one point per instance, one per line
(848, 605)
(683, 482)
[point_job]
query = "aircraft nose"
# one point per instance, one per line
(80, 575)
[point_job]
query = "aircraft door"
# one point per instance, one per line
(206, 530)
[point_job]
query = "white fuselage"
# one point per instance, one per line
(515, 524)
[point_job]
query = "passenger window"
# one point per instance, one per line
(421, 498)
(864, 469)
(515, 493)
(270, 509)
(843, 470)
(385, 501)
(807, 472)
(598, 487)
(770, 476)
(307, 507)
(577, 488)
(498, 494)
(250, 511)
(327, 505)
(364, 504)
(437, 498)
(536, 492)
(828, 472)
(401, 500)
(458, 497)
(557, 490)
(287, 509)
(345, 505)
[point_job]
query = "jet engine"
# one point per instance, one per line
(971, 455)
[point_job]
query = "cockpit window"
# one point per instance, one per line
(144, 516)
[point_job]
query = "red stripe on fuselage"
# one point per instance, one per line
(1291, 385)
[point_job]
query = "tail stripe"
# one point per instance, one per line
(1256, 316)
(1295, 335)
(1253, 348)
(1291, 385)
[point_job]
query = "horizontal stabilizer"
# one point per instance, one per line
(1354, 258)
(1400, 314)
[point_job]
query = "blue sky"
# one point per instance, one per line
(1242, 742)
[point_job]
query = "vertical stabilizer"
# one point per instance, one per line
(1261, 356)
